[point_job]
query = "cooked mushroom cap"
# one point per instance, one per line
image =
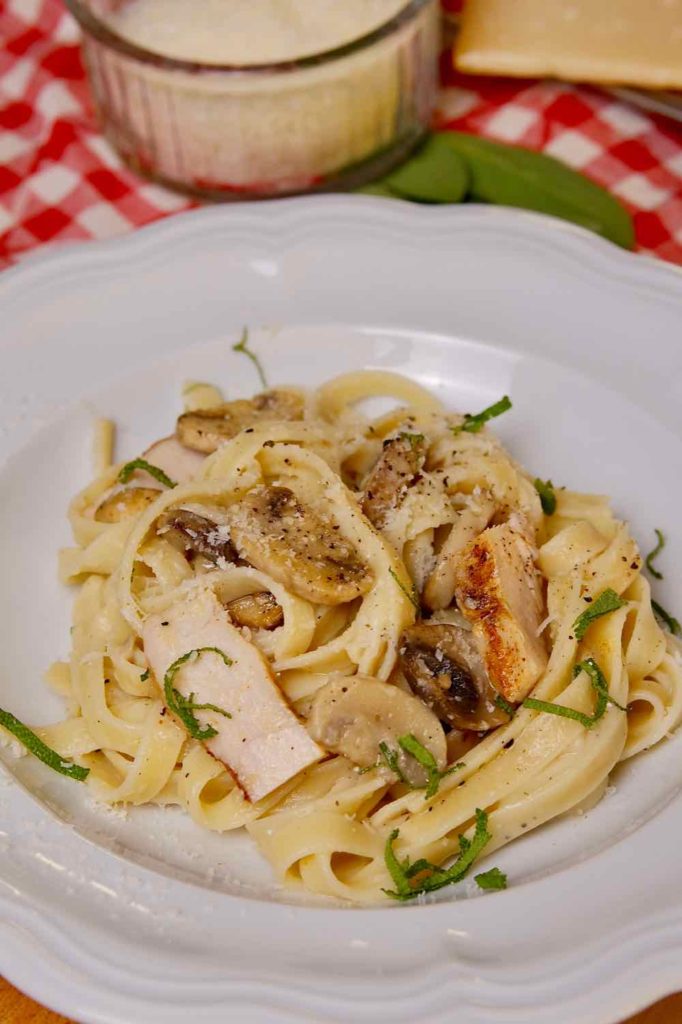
(124, 504)
(177, 461)
(442, 665)
(352, 715)
(204, 430)
(398, 467)
(498, 590)
(277, 534)
(194, 534)
(257, 611)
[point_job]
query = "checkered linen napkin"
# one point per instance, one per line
(60, 180)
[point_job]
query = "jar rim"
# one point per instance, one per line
(97, 28)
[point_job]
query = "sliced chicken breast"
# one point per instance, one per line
(498, 590)
(263, 743)
(178, 462)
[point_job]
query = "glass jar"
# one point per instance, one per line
(322, 122)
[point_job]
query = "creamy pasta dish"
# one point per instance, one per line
(375, 643)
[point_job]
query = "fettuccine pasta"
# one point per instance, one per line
(374, 643)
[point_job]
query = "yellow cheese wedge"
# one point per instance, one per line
(623, 42)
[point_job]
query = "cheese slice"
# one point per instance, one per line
(621, 42)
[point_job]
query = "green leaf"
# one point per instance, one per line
(504, 705)
(545, 489)
(513, 176)
(434, 174)
(666, 618)
(473, 422)
(35, 746)
(608, 601)
(184, 708)
(243, 346)
(411, 596)
(434, 877)
(377, 188)
(660, 544)
(493, 879)
(599, 685)
(127, 471)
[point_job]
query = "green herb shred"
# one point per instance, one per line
(35, 746)
(493, 879)
(608, 601)
(243, 346)
(599, 685)
(473, 423)
(411, 745)
(414, 439)
(412, 597)
(545, 489)
(158, 474)
(504, 705)
(145, 676)
(184, 708)
(421, 876)
(668, 620)
(660, 544)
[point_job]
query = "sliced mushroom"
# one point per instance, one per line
(443, 667)
(263, 742)
(440, 586)
(125, 503)
(178, 462)
(257, 611)
(279, 535)
(498, 590)
(398, 467)
(352, 715)
(194, 534)
(204, 430)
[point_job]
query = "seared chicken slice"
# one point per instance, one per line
(440, 586)
(498, 590)
(353, 715)
(125, 503)
(204, 430)
(263, 743)
(398, 468)
(179, 463)
(257, 611)
(275, 533)
(443, 666)
(194, 534)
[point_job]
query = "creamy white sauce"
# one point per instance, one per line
(248, 31)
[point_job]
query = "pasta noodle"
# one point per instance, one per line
(409, 497)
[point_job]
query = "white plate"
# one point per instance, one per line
(473, 303)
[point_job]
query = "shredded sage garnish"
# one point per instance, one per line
(660, 544)
(145, 676)
(545, 489)
(411, 745)
(473, 423)
(183, 707)
(504, 705)
(421, 876)
(158, 474)
(242, 346)
(600, 686)
(35, 746)
(412, 597)
(414, 439)
(668, 620)
(493, 879)
(608, 601)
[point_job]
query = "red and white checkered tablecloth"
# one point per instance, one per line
(60, 180)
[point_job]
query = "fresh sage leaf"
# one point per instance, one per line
(513, 176)
(435, 174)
